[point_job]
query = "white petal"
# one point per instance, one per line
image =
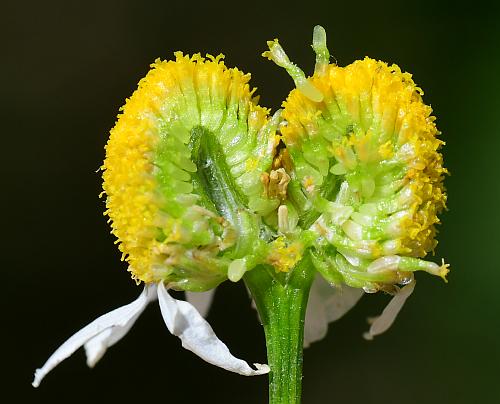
(316, 323)
(253, 305)
(96, 347)
(99, 334)
(327, 304)
(384, 321)
(196, 335)
(201, 300)
(343, 300)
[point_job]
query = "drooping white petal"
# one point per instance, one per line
(96, 347)
(253, 305)
(382, 323)
(201, 300)
(196, 335)
(316, 323)
(344, 300)
(327, 304)
(99, 334)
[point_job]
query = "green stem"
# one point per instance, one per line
(281, 301)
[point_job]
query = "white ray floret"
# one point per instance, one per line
(382, 323)
(182, 319)
(196, 335)
(99, 334)
(201, 300)
(327, 304)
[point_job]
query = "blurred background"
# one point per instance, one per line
(66, 69)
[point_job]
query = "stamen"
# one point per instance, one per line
(276, 183)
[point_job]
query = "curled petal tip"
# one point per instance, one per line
(262, 369)
(37, 379)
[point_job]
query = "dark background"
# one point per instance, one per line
(67, 67)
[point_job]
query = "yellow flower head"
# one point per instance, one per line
(367, 173)
(161, 212)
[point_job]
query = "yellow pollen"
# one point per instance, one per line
(283, 257)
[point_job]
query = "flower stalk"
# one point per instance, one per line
(281, 301)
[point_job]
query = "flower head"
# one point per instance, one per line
(159, 171)
(183, 165)
(203, 185)
(365, 168)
